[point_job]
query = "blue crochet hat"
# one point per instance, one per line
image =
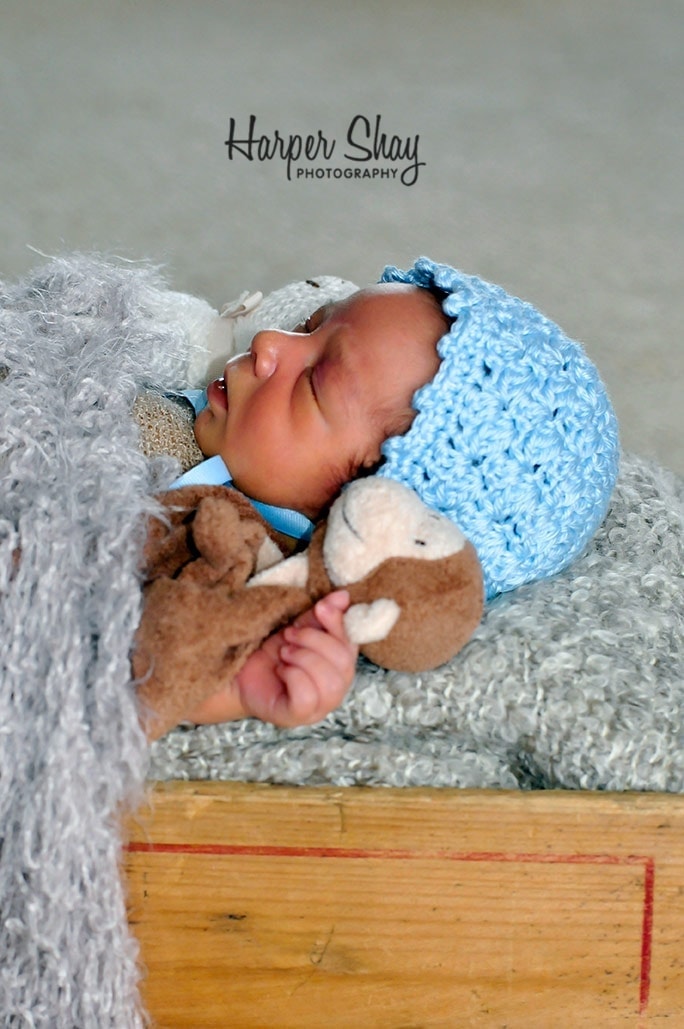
(514, 439)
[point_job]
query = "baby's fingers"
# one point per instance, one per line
(328, 666)
(313, 667)
(299, 701)
(323, 651)
(328, 613)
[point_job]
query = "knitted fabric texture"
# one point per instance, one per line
(78, 342)
(514, 438)
(166, 428)
(287, 307)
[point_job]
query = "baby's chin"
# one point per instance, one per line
(202, 431)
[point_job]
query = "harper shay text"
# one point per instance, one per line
(365, 142)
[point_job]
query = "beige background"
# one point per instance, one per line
(552, 136)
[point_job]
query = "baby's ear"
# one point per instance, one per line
(369, 463)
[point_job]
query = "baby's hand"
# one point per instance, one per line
(297, 676)
(303, 672)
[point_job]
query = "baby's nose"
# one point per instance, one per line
(271, 348)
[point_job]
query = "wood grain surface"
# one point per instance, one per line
(302, 907)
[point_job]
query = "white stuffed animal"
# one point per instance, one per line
(414, 579)
(284, 309)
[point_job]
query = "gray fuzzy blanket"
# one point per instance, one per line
(576, 682)
(76, 343)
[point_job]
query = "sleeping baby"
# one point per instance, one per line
(431, 377)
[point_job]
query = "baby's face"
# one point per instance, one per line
(302, 412)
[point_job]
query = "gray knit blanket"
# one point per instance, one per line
(576, 682)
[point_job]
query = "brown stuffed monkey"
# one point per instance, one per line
(216, 585)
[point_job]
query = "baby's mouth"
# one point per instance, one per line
(217, 393)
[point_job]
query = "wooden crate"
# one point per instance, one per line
(271, 906)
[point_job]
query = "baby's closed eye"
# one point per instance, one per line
(313, 321)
